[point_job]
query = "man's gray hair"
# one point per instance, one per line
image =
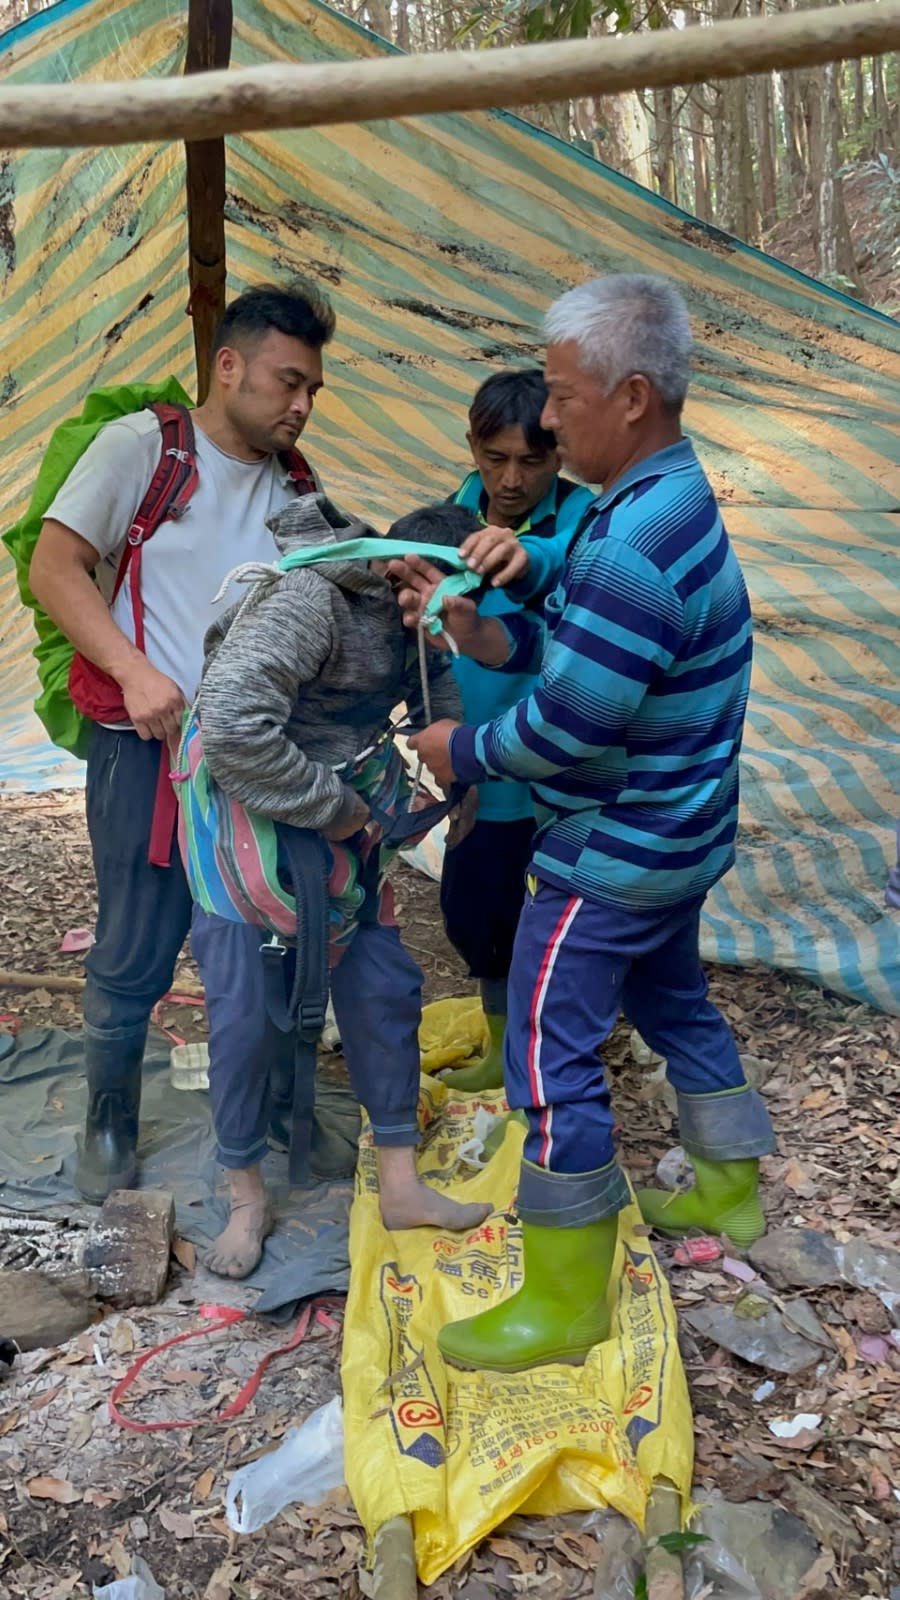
(625, 323)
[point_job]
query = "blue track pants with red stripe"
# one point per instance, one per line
(576, 965)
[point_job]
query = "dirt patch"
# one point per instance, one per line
(708, 237)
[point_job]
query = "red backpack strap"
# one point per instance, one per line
(299, 471)
(170, 489)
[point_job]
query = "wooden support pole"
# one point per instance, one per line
(217, 103)
(394, 1573)
(665, 1573)
(67, 983)
(208, 49)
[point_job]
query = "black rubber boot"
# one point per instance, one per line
(107, 1155)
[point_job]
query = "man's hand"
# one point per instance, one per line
(351, 819)
(154, 703)
(433, 748)
(496, 553)
(415, 580)
(483, 638)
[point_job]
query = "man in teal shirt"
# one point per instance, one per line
(515, 484)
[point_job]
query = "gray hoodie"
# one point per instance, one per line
(308, 675)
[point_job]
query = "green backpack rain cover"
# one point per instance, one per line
(53, 652)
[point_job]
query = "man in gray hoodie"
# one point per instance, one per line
(296, 699)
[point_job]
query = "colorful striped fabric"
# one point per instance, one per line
(442, 241)
(231, 854)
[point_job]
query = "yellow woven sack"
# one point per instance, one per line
(458, 1452)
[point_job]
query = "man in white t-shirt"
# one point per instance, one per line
(267, 370)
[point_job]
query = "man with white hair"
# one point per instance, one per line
(630, 743)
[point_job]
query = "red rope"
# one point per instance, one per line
(217, 1317)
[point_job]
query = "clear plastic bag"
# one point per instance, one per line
(620, 1561)
(140, 1585)
(483, 1123)
(711, 1571)
(307, 1465)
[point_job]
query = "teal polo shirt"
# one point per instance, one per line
(487, 694)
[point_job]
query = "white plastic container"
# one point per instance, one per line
(189, 1066)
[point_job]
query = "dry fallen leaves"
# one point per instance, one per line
(59, 1490)
(774, 1019)
(118, 1555)
(185, 1254)
(101, 1498)
(815, 1577)
(179, 1523)
(203, 1486)
(798, 1179)
(220, 1586)
(44, 1399)
(81, 1429)
(879, 1485)
(122, 1338)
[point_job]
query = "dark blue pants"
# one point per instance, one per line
(143, 912)
(377, 994)
(482, 890)
(244, 1045)
(576, 965)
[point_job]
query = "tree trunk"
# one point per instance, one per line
(683, 161)
(795, 146)
(764, 115)
(664, 143)
(835, 256)
(378, 17)
(886, 136)
(825, 184)
(699, 154)
(402, 25)
(696, 119)
(763, 120)
(859, 100)
(737, 209)
(625, 141)
(736, 203)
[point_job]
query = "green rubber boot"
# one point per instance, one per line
(725, 1200)
(560, 1312)
(487, 1074)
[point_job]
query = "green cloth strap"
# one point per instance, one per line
(460, 582)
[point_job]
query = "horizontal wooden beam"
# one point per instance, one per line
(277, 96)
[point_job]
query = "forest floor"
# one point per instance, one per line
(80, 1497)
(872, 198)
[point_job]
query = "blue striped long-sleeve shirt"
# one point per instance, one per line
(631, 739)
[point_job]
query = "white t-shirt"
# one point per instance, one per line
(184, 564)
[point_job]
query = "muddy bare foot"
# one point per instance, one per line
(407, 1202)
(239, 1247)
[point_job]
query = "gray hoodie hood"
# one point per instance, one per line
(313, 520)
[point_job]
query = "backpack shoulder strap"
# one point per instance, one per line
(171, 487)
(299, 471)
(175, 479)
